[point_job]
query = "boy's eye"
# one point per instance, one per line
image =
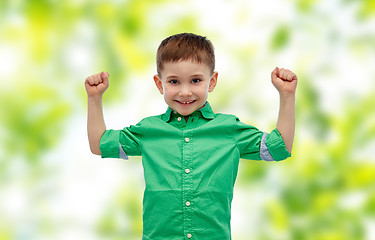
(196, 80)
(173, 81)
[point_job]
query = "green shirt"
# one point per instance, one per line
(190, 169)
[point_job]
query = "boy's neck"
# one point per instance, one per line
(187, 117)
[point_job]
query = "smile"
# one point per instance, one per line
(189, 102)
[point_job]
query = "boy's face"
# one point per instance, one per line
(185, 85)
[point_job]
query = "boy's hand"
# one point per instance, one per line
(284, 80)
(97, 84)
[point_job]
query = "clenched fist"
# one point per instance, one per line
(97, 84)
(284, 80)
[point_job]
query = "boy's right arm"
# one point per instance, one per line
(95, 87)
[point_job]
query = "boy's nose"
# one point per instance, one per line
(185, 92)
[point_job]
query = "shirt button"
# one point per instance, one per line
(189, 235)
(187, 140)
(187, 170)
(179, 119)
(187, 203)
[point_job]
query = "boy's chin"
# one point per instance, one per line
(185, 112)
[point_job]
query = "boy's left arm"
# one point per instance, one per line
(285, 81)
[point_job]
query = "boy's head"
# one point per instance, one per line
(185, 47)
(185, 65)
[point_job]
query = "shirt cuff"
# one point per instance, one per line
(272, 147)
(110, 146)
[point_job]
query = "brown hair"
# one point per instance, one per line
(185, 46)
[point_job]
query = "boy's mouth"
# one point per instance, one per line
(185, 102)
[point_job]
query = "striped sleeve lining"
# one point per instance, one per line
(122, 153)
(264, 152)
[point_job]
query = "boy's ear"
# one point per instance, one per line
(213, 82)
(158, 83)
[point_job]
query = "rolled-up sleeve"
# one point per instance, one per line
(254, 144)
(120, 143)
(273, 147)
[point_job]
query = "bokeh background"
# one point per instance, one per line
(52, 187)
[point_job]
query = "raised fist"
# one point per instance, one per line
(284, 80)
(97, 84)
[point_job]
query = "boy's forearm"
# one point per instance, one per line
(286, 120)
(95, 123)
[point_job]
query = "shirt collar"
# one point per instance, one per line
(206, 112)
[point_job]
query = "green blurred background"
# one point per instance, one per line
(52, 187)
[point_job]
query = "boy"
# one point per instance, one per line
(190, 155)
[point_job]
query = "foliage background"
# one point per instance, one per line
(52, 187)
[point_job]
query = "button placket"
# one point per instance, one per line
(187, 150)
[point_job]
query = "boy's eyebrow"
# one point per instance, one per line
(197, 75)
(194, 75)
(171, 76)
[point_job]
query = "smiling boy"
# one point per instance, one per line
(185, 85)
(190, 154)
